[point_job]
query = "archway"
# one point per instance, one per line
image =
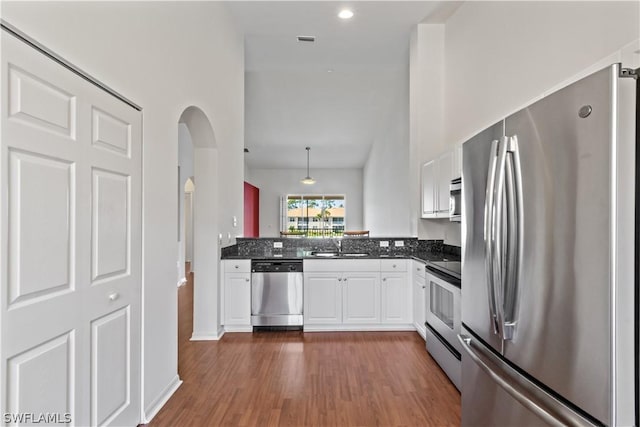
(206, 322)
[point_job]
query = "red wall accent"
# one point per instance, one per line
(251, 210)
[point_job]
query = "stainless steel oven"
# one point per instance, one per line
(444, 321)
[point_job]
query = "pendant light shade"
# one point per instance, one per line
(307, 179)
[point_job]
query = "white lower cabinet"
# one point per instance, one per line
(237, 295)
(396, 292)
(354, 296)
(419, 297)
(322, 298)
(361, 298)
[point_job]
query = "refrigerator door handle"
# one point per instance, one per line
(489, 235)
(514, 242)
(542, 404)
(499, 260)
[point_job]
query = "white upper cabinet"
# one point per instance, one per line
(456, 172)
(429, 174)
(445, 167)
(436, 179)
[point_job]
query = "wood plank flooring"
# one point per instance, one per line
(299, 379)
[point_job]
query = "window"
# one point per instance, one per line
(315, 215)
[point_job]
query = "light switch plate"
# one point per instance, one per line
(277, 245)
(399, 243)
(384, 243)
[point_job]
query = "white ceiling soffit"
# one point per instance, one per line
(335, 94)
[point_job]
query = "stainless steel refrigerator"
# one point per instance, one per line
(549, 258)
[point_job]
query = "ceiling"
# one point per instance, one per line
(334, 95)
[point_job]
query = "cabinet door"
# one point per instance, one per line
(456, 171)
(396, 298)
(445, 166)
(361, 298)
(322, 298)
(237, 299)
(429, 175)
(419, 304)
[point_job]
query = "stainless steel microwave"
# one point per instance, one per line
(455, 200)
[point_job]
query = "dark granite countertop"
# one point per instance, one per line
(299, 254)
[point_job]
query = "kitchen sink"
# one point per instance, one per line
(324, 254)
(337, 254)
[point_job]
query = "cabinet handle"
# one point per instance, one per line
(345, 279)
(384, 279)
(339, 279)
(394, 266)
(114, 296)
(246, 280)
(423, 287)
(237, 266)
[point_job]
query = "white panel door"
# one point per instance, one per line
(396, 299)
(70, 244)
(361, 298)
(237, 299)
(322, 298)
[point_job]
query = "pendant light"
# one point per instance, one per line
(307, 179)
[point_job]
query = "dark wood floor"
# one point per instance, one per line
(297, 379)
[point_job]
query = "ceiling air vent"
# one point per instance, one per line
(309, 39)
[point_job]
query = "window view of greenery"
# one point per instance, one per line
(315, 216)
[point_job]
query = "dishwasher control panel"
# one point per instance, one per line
(279, 266)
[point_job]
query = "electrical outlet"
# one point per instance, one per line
(384, 243)
(399, 243)
(277, 245)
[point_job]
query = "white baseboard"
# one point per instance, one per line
(238, 328)
(153, 409)
(207, 336)
(356, 328)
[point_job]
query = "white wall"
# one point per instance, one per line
(185, 162)
(501, 55)
(275, 183)
(386, 206)
(426, 79)
(498, 57)
(165, 56)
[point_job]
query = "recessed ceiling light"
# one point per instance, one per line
(330, 70)
(345, 14)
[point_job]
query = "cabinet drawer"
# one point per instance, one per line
(393, 265)
(237, 266)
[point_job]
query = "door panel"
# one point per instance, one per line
(41, 249)
(70, 171)
(110, 225)
(475, 296)
(40, 380)
(110, 133)
(40, 103)
(110, 373)
(564, 285)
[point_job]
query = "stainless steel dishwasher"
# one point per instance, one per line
(276, 293)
